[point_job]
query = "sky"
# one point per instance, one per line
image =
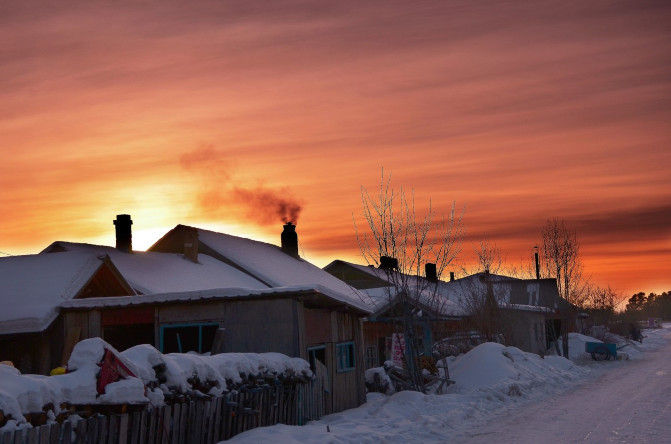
(235, 115)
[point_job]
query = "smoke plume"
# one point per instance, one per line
(219, 195)
(267, 206)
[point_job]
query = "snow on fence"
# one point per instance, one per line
(205, 420)
(170, 398)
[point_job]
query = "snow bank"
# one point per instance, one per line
(490, 379)
(576, 346)
(487, 378)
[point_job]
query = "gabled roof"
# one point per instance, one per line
(433, 297)
(265, 262)
(452, 298)
(33, 286)
(150, 272)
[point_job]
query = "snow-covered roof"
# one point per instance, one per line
(32, 287)
(273, 266)
(151, 272)
(453, 298)
(434, 296)
(204, 295)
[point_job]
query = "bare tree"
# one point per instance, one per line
(483, 301)
(400, 243)
(602, 303)
(488, 258)
(561, 259)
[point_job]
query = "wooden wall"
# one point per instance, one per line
(328, 328)
(269, 325)
(525, 330)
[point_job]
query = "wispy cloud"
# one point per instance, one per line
(523, 111)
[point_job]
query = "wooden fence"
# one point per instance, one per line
(206, 420)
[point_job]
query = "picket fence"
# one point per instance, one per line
(206, 420)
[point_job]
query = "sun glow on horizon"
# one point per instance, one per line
(219, 117)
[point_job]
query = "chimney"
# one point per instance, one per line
(388, 263)
(451, 275)
(191, 244)
(290, 240)
(430, 272)
(124, 236)
(538, 268)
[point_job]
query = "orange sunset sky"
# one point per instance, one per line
(200, 112)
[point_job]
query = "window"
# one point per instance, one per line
(345, 357)
(316, 353)
(182, 338)
(371, 356)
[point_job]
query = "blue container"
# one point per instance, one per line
(601, 351)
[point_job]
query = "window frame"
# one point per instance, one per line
(200, 326)
(345, 357)
(371, 358)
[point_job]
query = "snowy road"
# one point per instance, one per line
(629, 404)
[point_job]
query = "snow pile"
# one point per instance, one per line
(377, 380)
(24, 393)
(487, 378)
(158, 377)
(508, 371)
(576, 346)
(490, 379)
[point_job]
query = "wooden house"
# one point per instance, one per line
(436, 314)
(207, 292)
(527, 311)
(318, 314)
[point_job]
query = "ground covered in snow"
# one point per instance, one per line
(499, 390)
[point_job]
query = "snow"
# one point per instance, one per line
(484, 366)
(36, 285)
(151, 272)
(452, 298)
(200, 295)
(171, 277)
(276, 268)
(493, 383)
(576, 346)
(185, 373)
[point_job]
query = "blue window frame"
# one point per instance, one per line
(345, 360)
(182, 338)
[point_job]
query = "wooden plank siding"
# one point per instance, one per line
(329, 328)
(282, 325)
(346, 393)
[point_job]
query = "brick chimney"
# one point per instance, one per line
(388, 263)
(191, 244)
(290, 240)
(451, 275)
(430, 272)
(124, 236)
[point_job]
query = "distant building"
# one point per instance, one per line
(530, 310)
